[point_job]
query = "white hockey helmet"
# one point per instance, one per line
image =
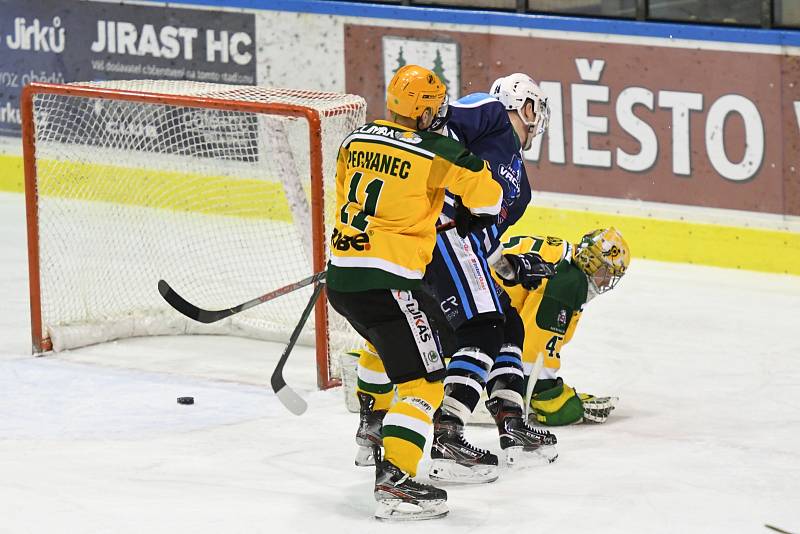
(513, 91)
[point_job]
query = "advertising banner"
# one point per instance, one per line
(692, 126)
(56, 41)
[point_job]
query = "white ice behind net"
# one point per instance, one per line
(216, 202)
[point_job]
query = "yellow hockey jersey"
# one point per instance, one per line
(551, 312)
(390, 183)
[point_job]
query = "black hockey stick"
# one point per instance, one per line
(210, 316)
(289, 397)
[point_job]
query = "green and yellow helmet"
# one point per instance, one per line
(604, 256)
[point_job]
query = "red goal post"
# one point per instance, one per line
(207, 176)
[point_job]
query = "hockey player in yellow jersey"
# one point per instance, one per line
(552, 311)
(390, 181)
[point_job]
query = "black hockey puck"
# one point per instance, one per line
(185, 400)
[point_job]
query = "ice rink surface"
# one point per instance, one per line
(706, 363)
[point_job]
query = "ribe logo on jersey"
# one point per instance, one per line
(358, 242)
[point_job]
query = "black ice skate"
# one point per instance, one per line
(454, 459)
(522, 444)
(368, 434)
(400, 498)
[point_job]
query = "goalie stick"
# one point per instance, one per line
(532, 379)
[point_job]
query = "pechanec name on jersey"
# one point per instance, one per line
(382, 163)
(358, 242)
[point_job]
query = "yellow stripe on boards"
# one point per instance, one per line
(12, 175)
(154, 188)
(677, 241)
(657, 239)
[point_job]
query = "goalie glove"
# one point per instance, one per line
(528, 269)
(467, 222)
(556, 404)
(597, 409)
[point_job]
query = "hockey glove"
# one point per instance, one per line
(467, 222)
(528, 269)
(597, 409)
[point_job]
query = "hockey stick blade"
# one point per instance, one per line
(289, 397)
(211, 316)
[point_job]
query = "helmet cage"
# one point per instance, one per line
(603, 256)
(541, 118)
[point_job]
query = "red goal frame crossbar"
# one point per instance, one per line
(41, 342)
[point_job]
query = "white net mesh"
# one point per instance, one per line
(215, 201)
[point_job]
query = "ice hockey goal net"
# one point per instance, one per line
(224, 191)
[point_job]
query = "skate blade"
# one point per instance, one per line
(398, 510)
(451, 471)
(365, 457)
(518, 458)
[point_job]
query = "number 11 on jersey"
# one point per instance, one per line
(372, 192)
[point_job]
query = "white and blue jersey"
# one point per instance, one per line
(459, 272)
(480, 122)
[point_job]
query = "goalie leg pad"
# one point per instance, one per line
(349, 364)
(556, 404)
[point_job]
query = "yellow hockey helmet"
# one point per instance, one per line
(412, 90)
(604, 256)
